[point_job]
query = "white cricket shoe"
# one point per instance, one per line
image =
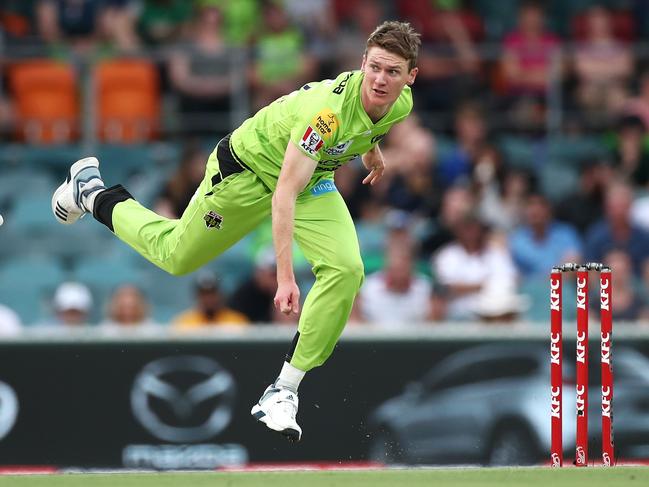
(277, 408)
(70, 199)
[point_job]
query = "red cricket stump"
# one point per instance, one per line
(556, 372)
(605, 291)
(581, 453)
(556, 360)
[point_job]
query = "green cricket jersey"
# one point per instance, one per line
(325, 119)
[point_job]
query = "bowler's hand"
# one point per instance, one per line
(373, 162)
(287, 298)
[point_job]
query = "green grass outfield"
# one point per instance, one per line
(460, 477)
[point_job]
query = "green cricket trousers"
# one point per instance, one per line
(229, 203)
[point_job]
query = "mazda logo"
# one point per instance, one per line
(183, 399)
(8, 409)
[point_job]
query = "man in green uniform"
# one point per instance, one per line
(278, 162)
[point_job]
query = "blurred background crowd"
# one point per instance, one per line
(527, 148)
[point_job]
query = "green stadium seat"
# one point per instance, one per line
(538, 290)
(102, 276)
(25, 282)
(558, 180)
(518, 151)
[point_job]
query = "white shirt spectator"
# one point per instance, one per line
(640, 212)
(10, 323)
(388, 309)
(453, 265)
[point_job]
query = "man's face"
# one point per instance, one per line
(386, 74)
(209, 300)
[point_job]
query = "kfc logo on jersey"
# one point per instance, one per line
(338, 150)
(311, 142)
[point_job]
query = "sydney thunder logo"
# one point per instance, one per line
(213, 220)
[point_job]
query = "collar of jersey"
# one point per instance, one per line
(358, 82)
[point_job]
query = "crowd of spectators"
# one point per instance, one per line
(480, 220)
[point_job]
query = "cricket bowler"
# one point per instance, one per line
(279, 162)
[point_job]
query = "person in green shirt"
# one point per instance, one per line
(280, 162)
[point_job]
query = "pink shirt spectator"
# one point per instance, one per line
(532, 58)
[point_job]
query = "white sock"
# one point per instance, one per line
(290, 377)
(89, 200)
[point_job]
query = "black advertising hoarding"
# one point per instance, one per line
(169, 403)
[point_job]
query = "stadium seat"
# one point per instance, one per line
(371, 236)
(32, 214)
(128, 100)
(168, 295)
(574, 151)
(499, 17)
(55, 160)
(25, 282)
(102, 276)
(21, 180)
(40, 270)
(25, 299)
(538, 290)
(518, 151)
(45, 96)
(558, 180)
(233, 266)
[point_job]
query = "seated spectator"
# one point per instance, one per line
(629, 303)
(210, 307)
(16, 19)
(362, 18)
(527, 62)
(603, 65)
(585, 206)
(254, 297)
(616, 230)
(540, 242)
(468, 265)
(363, 201)
(200, 73)
(499, 303)
(163, 21)
(128, 307)
(448, 62)
(631, 158)
(280, 61)
(183, 183)
(638, 105)
(82, 27)
(501, 194)
(470, 136)
(10, 323)
(69, 23)
(457, 202)
(410, 184)
(396, 296)
(317, 22)
(117, 25)
(72, 304)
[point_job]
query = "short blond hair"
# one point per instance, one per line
(398, 38)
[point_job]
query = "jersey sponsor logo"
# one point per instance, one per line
(338, 150)
(333, 164)
(377, 138)
(325, 123)
(311, 141)
(213, 220)
(341, 86)
(325, 186)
